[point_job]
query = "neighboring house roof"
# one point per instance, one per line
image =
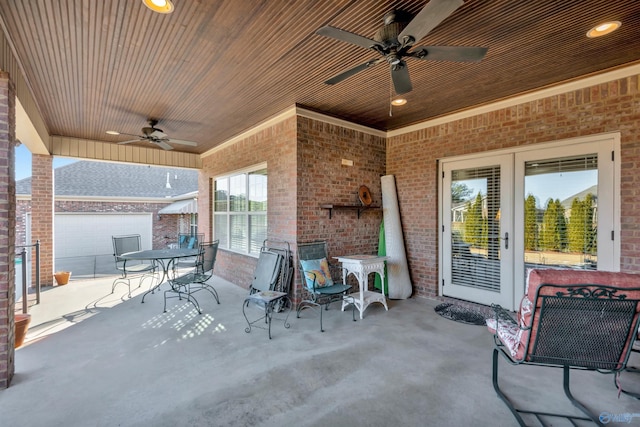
(593, 190)
(104, 179)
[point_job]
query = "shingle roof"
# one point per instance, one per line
(103, 179)
(593, 190)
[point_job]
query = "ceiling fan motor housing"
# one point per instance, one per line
(148, 131)
(388, 34)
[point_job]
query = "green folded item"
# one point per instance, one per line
(382, 251)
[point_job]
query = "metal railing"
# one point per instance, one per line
(23, 255)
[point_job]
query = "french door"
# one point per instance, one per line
(548, 206)
(477, 251)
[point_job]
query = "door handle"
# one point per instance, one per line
(506, 240)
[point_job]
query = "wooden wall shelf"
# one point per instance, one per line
(358, 208)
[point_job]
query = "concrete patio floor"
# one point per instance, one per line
(97, 359)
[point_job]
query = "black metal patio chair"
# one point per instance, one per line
(186, 285)
(129, 269)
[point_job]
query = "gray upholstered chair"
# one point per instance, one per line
(263, 293)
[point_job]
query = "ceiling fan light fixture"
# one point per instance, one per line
(603, 29)
(398, 102)
(159, 6)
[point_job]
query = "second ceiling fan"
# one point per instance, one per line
(397, 37)
(154, 135)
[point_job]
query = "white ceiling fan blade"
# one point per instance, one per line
(130, 141)
(164, 145)
(183, 142)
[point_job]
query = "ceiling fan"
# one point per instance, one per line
(154, 135)
(396, 38)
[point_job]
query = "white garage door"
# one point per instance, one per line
(90, 234)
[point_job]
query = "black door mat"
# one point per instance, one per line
(460, 314)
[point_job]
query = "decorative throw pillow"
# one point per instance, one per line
(317, 269)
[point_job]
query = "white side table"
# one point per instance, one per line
(360, 266)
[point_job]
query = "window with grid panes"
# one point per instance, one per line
(240, 211)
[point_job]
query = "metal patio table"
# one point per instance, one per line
(164, 257)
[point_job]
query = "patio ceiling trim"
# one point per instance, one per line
(303, 112)
(30, 127)
(293, 112)
(27, 133)
(286, 114)
(96, 150)
(605, 77)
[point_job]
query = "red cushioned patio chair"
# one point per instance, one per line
(571, 320)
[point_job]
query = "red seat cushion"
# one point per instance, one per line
(515, 339)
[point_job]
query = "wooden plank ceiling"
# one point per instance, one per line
(212, 69)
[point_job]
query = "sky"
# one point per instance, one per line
(559, 185)
(23, 162)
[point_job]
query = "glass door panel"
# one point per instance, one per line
(566, 211)
(560, 212)
(476, 232)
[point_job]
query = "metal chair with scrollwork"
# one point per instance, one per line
(129, 269)
(186, 285)
(568, 319)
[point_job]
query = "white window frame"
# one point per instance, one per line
(228, 213)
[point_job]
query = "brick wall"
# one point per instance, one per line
(42, 214)
(613, 106)
(7, 228)
(275, 145)
(322, 179)
(304, 165)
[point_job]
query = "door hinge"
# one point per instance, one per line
(442, 174)
(613, 156)
(612, 235)
(443, 283)
(443, 228)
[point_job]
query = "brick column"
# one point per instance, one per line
(42, 199)
(7, 227)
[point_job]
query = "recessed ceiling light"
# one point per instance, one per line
(603, 29)
(398, 101)
(160, 6)
(113, 132)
